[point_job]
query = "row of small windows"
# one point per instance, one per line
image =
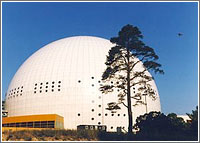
(52, 90)
(112, 127)
(92, 127)
(100, 114)
(99, 123)
(10, 97)
(79, 81)
(15, 91)
(47, 86)
(53, 82)
(16, 88)
(36, 124)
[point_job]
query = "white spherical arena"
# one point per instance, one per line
(64, 78)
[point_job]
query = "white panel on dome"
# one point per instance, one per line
(77, 63)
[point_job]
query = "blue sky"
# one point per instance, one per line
(28, 26)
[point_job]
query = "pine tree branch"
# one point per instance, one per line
(124, 104)
(140, 82)
(134, 65)
(124, 59)
(139, 73)
(139, 60)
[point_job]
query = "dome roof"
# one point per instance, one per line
(65, 57)
(64, 78)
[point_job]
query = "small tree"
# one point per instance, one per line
(158, 126)
(128, 52)
(153, 123)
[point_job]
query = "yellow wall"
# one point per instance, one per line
(59, 122)
(32, 118)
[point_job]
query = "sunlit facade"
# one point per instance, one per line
(63, 78)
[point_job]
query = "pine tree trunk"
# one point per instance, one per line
(130, 118)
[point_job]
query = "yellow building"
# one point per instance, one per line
(34, 121)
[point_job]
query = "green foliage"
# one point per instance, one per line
(157, 126)
(155, 121)
(177, 122)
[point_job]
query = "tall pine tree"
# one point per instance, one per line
(121, 62)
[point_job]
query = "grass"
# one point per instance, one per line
(49, 135)
(87, 135)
